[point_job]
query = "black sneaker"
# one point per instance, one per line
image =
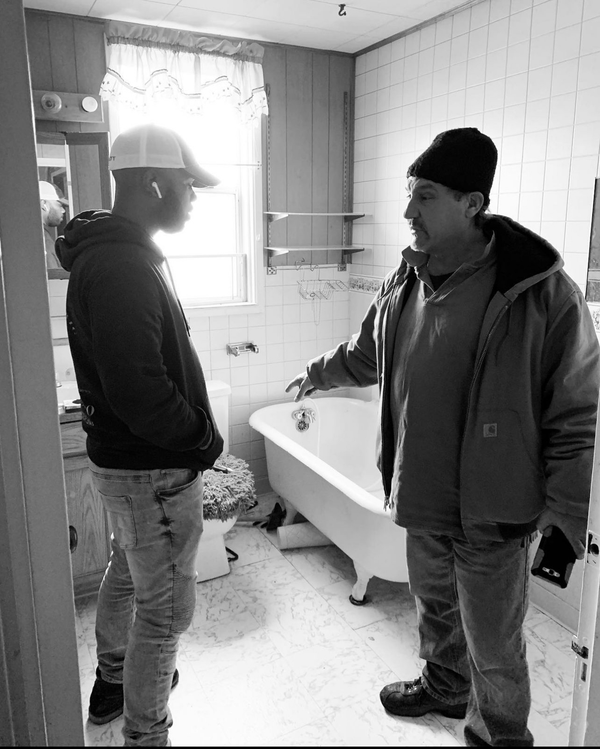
(473, 739)
(106, 700)
(410, 699)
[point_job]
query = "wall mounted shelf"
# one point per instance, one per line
(345, 249)
(327, 183)
(278, 215)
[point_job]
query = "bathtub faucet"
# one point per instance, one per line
(304, 416)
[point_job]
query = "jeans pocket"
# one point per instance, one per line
(170, 487)
(182, 506)
(121, 518)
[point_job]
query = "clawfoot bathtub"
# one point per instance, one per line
(321, 461)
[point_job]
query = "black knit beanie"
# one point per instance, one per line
(462, 159)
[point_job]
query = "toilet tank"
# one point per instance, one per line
(218, 393)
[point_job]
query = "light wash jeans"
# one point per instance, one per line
(148, 593)
(471, 604)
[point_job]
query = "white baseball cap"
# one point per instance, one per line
(49, 192)
(158, 147)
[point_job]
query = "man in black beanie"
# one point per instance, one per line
(487, 361)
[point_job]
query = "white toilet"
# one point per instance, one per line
(211, 560)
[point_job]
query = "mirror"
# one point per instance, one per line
(53, 168)
(76, 164)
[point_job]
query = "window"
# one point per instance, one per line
(214, 260)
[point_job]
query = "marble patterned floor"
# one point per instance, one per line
(278, 656)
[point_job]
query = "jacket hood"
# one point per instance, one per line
(523, 256)
(93, 228)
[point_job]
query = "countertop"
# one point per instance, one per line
(68, 416)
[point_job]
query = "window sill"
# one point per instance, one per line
(221, 310)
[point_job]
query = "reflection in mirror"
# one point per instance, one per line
(592, 293)
(55, 194)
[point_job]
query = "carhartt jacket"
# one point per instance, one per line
(144, 398)
(529, 435)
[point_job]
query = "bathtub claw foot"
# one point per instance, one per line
(358, 596)
(362, 602)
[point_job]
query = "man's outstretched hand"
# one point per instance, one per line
(304, 385)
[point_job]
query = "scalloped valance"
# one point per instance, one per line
(191, 71)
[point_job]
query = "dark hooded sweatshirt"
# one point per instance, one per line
(144, 398)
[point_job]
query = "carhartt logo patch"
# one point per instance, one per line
(490, 430)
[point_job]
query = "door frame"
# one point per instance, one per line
(39, 671)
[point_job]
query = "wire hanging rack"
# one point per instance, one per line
(315, 289)
(318, 288)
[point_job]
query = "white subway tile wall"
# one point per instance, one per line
(527, 73)
(289, 332)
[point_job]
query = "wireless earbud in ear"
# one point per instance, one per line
(157, 190)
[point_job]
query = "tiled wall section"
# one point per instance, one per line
(290, 331)
(527, 73)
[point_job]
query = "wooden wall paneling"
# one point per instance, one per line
(62, 56)
(264, 159)
(340, 69)
(88, 156)
(351, 66)
(306, 147)
(299, 145)
(320, 149)
(275, 73)
(66, 54)
(90, 64)
(38, 53)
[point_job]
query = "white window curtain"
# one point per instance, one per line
(212, 92)
(148, 64)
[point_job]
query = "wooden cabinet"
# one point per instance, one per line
(85, 511)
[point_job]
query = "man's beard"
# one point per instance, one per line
(172, 213)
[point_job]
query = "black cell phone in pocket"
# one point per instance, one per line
(554, 558)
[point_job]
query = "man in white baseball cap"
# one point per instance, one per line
(150, 428)
(159, 147)
(52, 205)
